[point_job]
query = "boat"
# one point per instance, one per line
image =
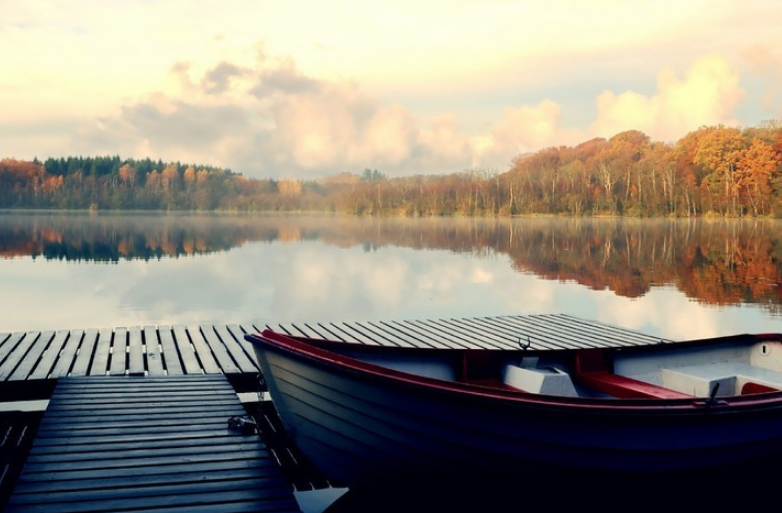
(367, 414)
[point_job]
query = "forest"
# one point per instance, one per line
(712, 171)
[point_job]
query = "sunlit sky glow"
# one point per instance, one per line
(309, 89)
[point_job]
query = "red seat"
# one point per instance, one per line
(594, 370)
(756, 388)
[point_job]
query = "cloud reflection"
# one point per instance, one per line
(367, 270)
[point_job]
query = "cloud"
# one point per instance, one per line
(272, 120)
(217, 80)
(707, 95)
(387, 88)
(283, 78)
(442, 141)
(520, 130)
(766, 62)
(269, 119)
(388, 138)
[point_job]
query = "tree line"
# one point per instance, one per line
(715, 170)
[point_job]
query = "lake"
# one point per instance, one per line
(673, 278)
(677, 279)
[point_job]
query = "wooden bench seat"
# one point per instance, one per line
(594, 371)
(627, 388)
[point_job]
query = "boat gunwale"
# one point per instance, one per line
(318, 351)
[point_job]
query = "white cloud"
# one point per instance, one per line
(273, 120)
(519, 130)
(272, 90)
(707, 95)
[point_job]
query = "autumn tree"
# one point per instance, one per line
(127, 175)
(720, 151)
(657, 168)
(755, 174)
(189, 179)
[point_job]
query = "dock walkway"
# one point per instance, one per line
(142, 444)
(39, 357)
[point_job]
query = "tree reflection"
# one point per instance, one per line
(722, 262)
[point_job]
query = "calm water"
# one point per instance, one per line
(677, 279)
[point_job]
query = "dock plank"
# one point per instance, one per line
(119, 352)
(603, 333)
(544, 332)
(84, 353)
(201, 347)
(424, 328)
(378, 336)
(67, 357)
(187, 354)
(402, 338)
(218, 349)
(170, 354)
(475, 335)
(152, 351)
(100, 364)
(553, 329)
(32, 356)
(135, 351)
(239, 350)
(345, 332)
(523, 333)
(151, 432)
(9, 346)
(298, 330)
(182, 463)
(238, 331)
(49, 357)
(327, 331)
(409, 331)
(214, 474)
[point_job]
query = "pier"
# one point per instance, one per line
(141, 416)
(40, 358)
(148, 444)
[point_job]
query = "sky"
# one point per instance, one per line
(303, 89)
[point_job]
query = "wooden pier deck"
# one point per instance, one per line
(196, 350)
(142, 444)
(137, 416)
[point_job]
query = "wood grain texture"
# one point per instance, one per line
(148, 444)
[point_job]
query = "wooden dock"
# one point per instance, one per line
(187, 350)
(142, 444)
(137, 417)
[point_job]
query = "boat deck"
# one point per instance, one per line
(148, 445)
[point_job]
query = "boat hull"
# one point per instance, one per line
(362, 425)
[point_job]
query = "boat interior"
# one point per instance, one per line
(722, 369)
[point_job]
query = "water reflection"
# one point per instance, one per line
(714, 261)
(674, 278)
